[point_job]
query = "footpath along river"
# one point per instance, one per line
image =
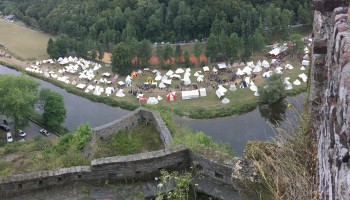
(235, 130)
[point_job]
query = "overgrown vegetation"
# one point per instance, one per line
(273, 89)
(286, 164)
(142, 138)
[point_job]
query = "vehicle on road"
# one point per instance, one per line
(44, 132)
(9, 137)
(4, 127)
(21, 133)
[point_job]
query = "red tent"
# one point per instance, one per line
(142, 99)
(171, 96)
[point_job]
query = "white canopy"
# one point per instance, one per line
(233, 87)
(250, 64)
(159, 98)
(239, 72)
(106, 74)
(162, 85)
(303, 77)
(81, 86)
(258, 63)
(202, 92)
(152, 101)
(175, 76)
(158, 77)
(168, 82)
(190, 94)
(120, 93)
(109, 91)
(121, 83)
(214, 69)
(265, 64)
(253, 88)
(297, 82)
(305, 63)
(247, 70)
(257, 69)
(302, 68)
(196, 74)
(225, 101)
(288, 66)
(222, 66)
(187, 80)
(169, 73)
(205, 68)
(179, 71)
(267, 74)
(200, 78)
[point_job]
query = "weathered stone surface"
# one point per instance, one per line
(330, 78)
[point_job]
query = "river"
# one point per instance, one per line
(235, 130)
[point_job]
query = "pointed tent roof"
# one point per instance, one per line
(171, 96)
(169, 73)
(225, 101)
(152, 100)
(288, 66)
(120, 93)
(257, 69)
(179, 71)
(297, 82)
(162, 85)
(159, 98)
(265, 64)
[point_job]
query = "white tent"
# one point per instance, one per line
(235, 65)
(250, 64)
(265, 64)
(267, 74)
(168, 82)
(165, 77)
(215, 70)
(158, 77)
(177, 76)
(247, 70)
(196, 74)
(109, 91)
(220, 91)
(200, 78)
(256, 94)
(81, 86)
(302, 68)
(225, 101)
(303, 77)
(288, 66)
(159, 98)
(233, 87)
(106, 74)
(162, 85)
(120, 93)
(190, 94)
(187, 80)
(257, 69)
(305, 63)
(202, 92)
(222, 66)
(278, 70)
(306, 50)
(121, 83)
(152, 101)
(253, 88)
(179, 71)
(297, 82)
(239, 72)
(258, 63)
(205, 68)
(169, 73)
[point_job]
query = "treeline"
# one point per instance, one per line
(100, 24)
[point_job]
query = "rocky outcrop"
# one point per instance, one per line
(330, 98)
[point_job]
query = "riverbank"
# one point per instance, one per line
(243, 100)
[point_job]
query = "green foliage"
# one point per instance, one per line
(18, 95)
(197, 51)
(168, 52)
(121, 59)
(54, 109)
(81, 136)
(273, 90)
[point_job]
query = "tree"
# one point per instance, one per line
(121, 59)
(168, 52)
(197, 51)
(273, 90)
(18, 95)
(54, 109)
(145, 52)
(187, 59)
(212, 48)
(93, 54)
(235, 46)
(178, 53)
(160, 53)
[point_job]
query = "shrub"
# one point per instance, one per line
(273, 90)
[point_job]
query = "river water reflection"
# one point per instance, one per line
(235, 130)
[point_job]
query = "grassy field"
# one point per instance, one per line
(22, 42)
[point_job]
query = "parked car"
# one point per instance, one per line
(4, 127)
(21, 133)
(9, 137)
(44, 132)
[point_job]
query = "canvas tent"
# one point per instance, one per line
(288, 66)
(179, 71)
(222, 66)
(303, 77)
(190, 94)
(225, 101)
(305, 63)
(169, 73)
(152, 101)
(162, 85)
(120, 93)
(233, 87)
(205, 68)
(159, 98)
(297, 82)
(171, 96)
(202, 92)
(265, 64)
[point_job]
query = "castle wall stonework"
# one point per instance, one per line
(130, 121)
(121, 169)
(329, 101)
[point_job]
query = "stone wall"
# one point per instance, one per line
(123, 169)
(130, 121)
(330, 98)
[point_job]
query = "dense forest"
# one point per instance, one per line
(101, 24)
